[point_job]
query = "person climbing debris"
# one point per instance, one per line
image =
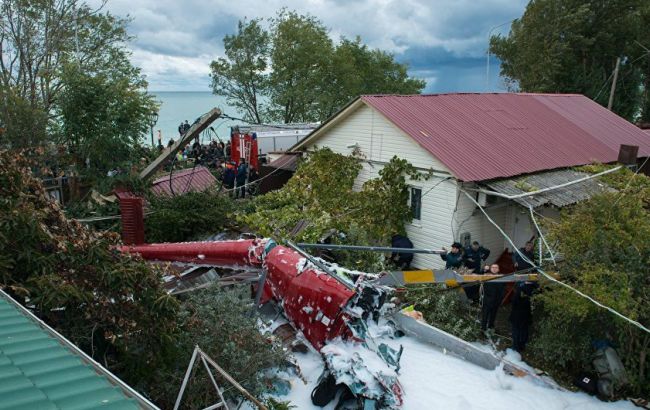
(492, 297)
(527, 251)
(473, 258)
(401, 260)
(453, 258)
(521, 316)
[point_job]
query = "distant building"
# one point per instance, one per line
(503, 144)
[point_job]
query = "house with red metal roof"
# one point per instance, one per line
(509, 152)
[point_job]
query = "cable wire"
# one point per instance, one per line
(552, 279)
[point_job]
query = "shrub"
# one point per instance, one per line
(218, 320)
(607, 253)
(445, 309)
(188, 216)
(112, 305)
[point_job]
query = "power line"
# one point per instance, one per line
(549, 277)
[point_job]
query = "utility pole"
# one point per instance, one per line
(613, 90)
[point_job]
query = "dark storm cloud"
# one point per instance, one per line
(443, 41)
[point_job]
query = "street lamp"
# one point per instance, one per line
(487, 64)
(152, 117)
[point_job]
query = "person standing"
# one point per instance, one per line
(242, 177)
(492, 297)
(186, 126)
(180, 129)
(521, 316)
(229, 176)
(453, 258)
(401, 260)
(527, 251)
(473, 258)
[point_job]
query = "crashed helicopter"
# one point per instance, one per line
(326, 303)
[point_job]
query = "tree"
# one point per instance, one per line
(37, 38)
(604, 243)
(112, 305)
(321, 194)
(299, 61)
(241, 78)
(102, 115)
(571, 46)
(299, 73)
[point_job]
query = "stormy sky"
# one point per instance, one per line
(442, 41)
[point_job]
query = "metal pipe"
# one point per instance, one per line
(370, 248)
(317, 263)
(566, 184)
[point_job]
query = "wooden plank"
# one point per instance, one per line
(192, 133)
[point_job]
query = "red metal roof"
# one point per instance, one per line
(487, 136)
(196, 179)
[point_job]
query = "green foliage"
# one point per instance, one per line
(603, 241)
(188, 216)
(218, 321)
(241, 76)
(320, 193)
(111, 305)
(299, 72)
(571, 46)
(445, 309)
(103, 115)
(273, 404)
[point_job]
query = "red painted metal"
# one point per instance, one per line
(196, 179)
(244, 146)
(312, 300)
(242, 252)
(132, 211)
(487, 136)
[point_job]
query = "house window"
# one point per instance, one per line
(416, 202)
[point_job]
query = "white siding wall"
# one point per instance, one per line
(379, 141)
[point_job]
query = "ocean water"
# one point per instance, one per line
(180, 106)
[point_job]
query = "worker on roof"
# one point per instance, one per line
(492, 297)
(527, 251)
(453, 258)
(473, 258)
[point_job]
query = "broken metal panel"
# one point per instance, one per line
(312, 299)
(195, 130)
(559, 197)
(448, 277)
(241, 252)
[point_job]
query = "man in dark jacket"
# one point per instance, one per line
(229, 176)
(527, 251)
(402, 260)
(473, 258)
(242, 176)
(492, 297)
(453, 258)
(521, 314)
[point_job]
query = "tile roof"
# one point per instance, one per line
(487, 136)
(39, 369)
(196, 179)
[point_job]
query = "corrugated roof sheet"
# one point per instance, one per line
(559, 197)
(487, 136)
(288, 162)
(38, 371)
(196, 179)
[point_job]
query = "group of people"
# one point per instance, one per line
(490, 293)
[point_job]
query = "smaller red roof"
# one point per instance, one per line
(196, 179)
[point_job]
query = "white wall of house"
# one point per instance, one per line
(378, 141)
